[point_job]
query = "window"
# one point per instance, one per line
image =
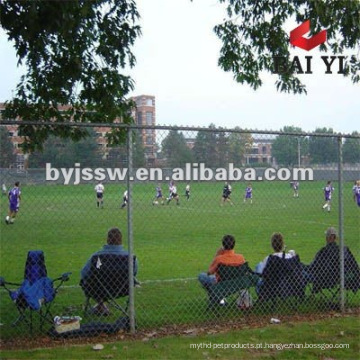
(139, 118)
(149, 102)
(264, 149)
(149, 118)
(20, 158)
(149, 140)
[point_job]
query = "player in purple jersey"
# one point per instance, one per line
(158, 196)
(14, 197)
(328, 190)
(356, 192)
(248, 193)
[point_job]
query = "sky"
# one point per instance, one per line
(177, 57)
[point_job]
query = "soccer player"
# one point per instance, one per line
(100, 189)
(226, 194)
(295, 186)
(356, 192)
(173, 194)
(328, 190)
(14, 197)
(158, 196)
(125, 199)
(248, 193)
(3, 189)
(187, 192)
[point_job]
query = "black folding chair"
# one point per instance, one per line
(281, 279)
(36, 293)
(324, 273)
(107, 282)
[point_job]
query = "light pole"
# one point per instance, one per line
(299, 152)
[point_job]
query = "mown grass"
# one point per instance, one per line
(333, 338)
(173, 243)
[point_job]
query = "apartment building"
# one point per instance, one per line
(144, 114)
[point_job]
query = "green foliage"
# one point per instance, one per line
(7, 156)
(175, 150)
(205, 147)
(65, 152)
(351, 149)
(253, 33)
(285, 148)
(73, 51)
(323, 150)
(216, 148)
(239, 145)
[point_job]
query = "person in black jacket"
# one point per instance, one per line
(324, 270)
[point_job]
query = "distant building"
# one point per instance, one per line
(260, 152)
(144, 114)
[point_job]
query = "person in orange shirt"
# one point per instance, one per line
(224, 256)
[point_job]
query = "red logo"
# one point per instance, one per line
(297, 39)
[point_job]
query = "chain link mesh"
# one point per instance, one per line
(189, 188)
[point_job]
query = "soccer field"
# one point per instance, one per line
(173, 243)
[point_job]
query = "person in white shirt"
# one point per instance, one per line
(100, 189)
(125, 199)
(277, 243)
(173, 194)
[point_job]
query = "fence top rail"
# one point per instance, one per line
(181, 128)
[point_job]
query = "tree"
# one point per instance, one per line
(253, 35)
(73, 52)
(323, 150)
(65, 152)
(285, 148)
(239, 145)
(175, 150)
(204, 149)
(138, 150)
(351, 149)
(7, 155)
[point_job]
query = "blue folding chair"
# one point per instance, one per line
(36, 293)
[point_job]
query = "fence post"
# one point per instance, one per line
(341, 225)
(129, 149)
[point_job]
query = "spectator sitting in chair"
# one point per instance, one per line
(113, 246)
(324, 270)
(224, 256)
(277, 243)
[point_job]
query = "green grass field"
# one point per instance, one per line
(173, 243)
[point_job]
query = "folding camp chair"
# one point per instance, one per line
(233, 280)
(281, 279)
(36, 293)
(324, 273)
(107, 282)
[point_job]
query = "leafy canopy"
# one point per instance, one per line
(253, 33)
(73, 51)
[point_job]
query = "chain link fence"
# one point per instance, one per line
(168, 210)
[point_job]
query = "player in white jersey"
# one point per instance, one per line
(187, 192)
(295, 187)
(125, 199)
(173, 194)
(100, 189)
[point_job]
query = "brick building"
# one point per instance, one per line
(144, 114)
